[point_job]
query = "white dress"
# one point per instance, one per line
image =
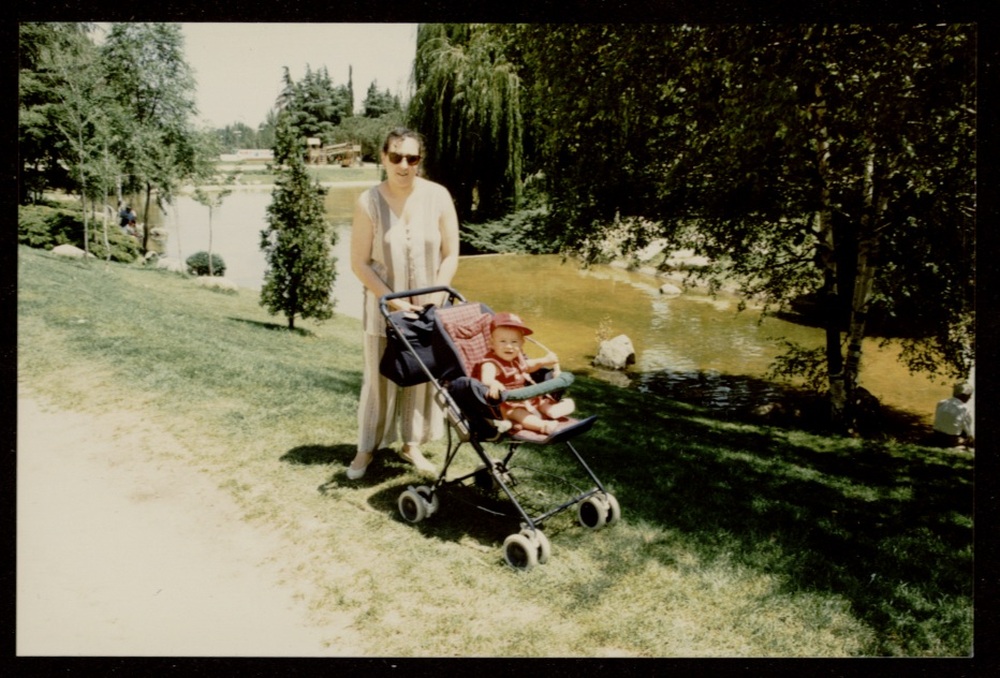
(406, 254)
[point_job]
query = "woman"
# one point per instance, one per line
(404, 237)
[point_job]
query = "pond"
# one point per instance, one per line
(691, 344)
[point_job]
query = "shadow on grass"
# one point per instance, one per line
(320, 454)
(764, 402)
(280, 327)
(885, 525)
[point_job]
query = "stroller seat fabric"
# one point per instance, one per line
(468, 325)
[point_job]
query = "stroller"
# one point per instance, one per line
(443, 345)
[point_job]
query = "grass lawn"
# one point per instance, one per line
(736, 539)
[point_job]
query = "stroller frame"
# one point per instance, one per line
(596, 507)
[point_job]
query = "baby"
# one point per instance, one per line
(507, 367)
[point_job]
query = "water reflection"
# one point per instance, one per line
(694, 347)
(236, 227)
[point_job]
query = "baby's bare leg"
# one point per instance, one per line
(532, 422)
(557, 409)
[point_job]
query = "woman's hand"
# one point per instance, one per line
(404, 305)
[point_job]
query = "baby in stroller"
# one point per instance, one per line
(507, 367)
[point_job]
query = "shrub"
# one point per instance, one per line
(124, 247)
(521, 232)
(197, 264)
(46, 227)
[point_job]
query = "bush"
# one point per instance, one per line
(521, 232)
(45, 227)
(197, 264)
(124, 247)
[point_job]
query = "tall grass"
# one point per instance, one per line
(736, 539)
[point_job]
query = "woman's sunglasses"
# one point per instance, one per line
(396, 158)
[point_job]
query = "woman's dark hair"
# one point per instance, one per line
(402, 133)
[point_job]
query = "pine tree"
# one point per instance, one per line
(300, 269)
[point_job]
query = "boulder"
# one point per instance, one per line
(71, 251)
(616, 353)
(217, 283)
(670, 290)
(172, 265)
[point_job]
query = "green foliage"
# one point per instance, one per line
(236, 136)
(315, 106)
(46, 227)
(797, 362)
(300, 274)
(156, 142)
(751, 132)
(522, 231)
(369, 132)
(467, 105)
(198, 264)
(378, 104)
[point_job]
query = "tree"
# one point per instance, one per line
(807, 159)
(212, 198)
(314, 106)
(467, 105)
(40, 143)
(300, 270)
(369, 132)
(853, 150)
(82, 112)
(146, 68)
(378, 104)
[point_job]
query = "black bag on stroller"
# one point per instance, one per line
(417, 330)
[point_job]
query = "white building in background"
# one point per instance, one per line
(248, 155)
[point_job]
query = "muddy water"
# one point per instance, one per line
(691, 344)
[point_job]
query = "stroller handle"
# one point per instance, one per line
(383, 302)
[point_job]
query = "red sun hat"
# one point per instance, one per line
(509, 320)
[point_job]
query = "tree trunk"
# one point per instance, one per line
(107, 239)
(145, 219)
(211, 268)
(83, 200)
(864, 279)
(827, 260)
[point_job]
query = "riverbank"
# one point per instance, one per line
(731, 542)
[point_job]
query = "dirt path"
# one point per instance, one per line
(118, 556)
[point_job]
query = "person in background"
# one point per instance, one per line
(124, 216)
(953, 420)
(404, 236)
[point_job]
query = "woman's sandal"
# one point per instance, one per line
(355, 473)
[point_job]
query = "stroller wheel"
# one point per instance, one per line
(412, 506)
(541, 542)
(614, 510)
(431, 501)
(519, 552)
(592, 512)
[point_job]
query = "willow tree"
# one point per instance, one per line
(467, 104)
